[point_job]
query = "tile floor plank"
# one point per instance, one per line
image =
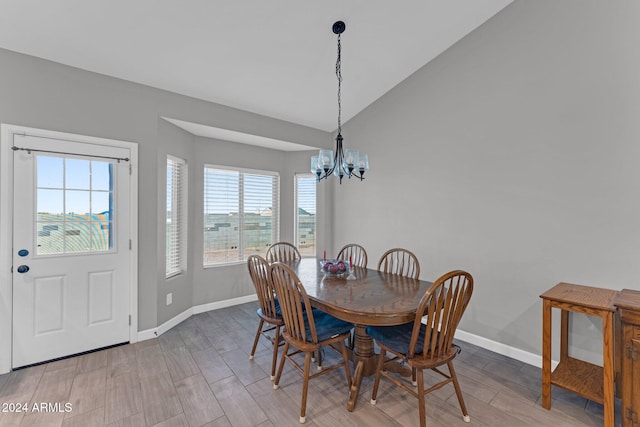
(180, 363)
(220, 422)
(279, 407)
(198, 402)
(170, 339)
(54, 387)
(121, 360)
(177, 421)
(211, 364)
(88, 391)
(242, 367)
(21, 384)
(136, 420)
(237, 403)
(92, 361)
(195, 339)
(159, 398)
(150, 360)
(42, 419)
(94, 418)
(123, 397)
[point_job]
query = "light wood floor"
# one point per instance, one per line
(199, 373)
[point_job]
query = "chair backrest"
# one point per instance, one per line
(294, 304)
(356, 253)
(441, 309)
(400, 261)
(259, 272)
(283, 251)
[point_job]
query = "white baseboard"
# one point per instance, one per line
(147, 334)
(156, 332)
(222, 304)
(503, 349)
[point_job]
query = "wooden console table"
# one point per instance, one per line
(594, 382)
(628, 303)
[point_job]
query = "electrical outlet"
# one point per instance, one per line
(169, 298)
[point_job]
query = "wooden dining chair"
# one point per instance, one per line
(269, 308)
(427, 342)
(400, 261)
(306, 330)
(355, 253)
(283, 251)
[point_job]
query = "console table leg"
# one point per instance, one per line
(546, 354)
(564, 334)
(609, 381)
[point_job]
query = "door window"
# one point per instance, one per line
(74, 206)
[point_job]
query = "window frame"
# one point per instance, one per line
(275, 209)
(296, 230)
(178, 200)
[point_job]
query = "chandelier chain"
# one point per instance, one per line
(339, 76)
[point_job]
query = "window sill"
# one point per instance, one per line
(174, 274)
(226, 264)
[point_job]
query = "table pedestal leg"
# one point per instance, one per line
(363, 351)
(355, 386)
(365, 360)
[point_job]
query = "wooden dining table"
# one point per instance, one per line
(372, 298)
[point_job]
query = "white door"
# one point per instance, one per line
(71, 261)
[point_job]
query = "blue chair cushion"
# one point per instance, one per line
(398, 337)
(327, 326)
(278, 312)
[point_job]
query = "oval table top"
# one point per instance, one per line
(373, 298)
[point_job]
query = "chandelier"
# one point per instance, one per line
(345, 162)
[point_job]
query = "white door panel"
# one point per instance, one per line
(71, 214)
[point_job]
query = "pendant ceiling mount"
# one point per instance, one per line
(339, 27)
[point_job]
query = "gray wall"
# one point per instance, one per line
(513, 155)
(47, 95)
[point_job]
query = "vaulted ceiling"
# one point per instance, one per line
(271, 57)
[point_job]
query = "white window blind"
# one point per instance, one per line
(305, 197)
(176, 216)
(241, 213)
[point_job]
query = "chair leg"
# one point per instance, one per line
(276, 341)
(422, 410)
(305, 386)
(413, 377)
(345, 357)
(456, 385)
(255, 340)
(284, 356)
(376, 382)
(320, 359)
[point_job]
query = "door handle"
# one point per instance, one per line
(23, 269)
